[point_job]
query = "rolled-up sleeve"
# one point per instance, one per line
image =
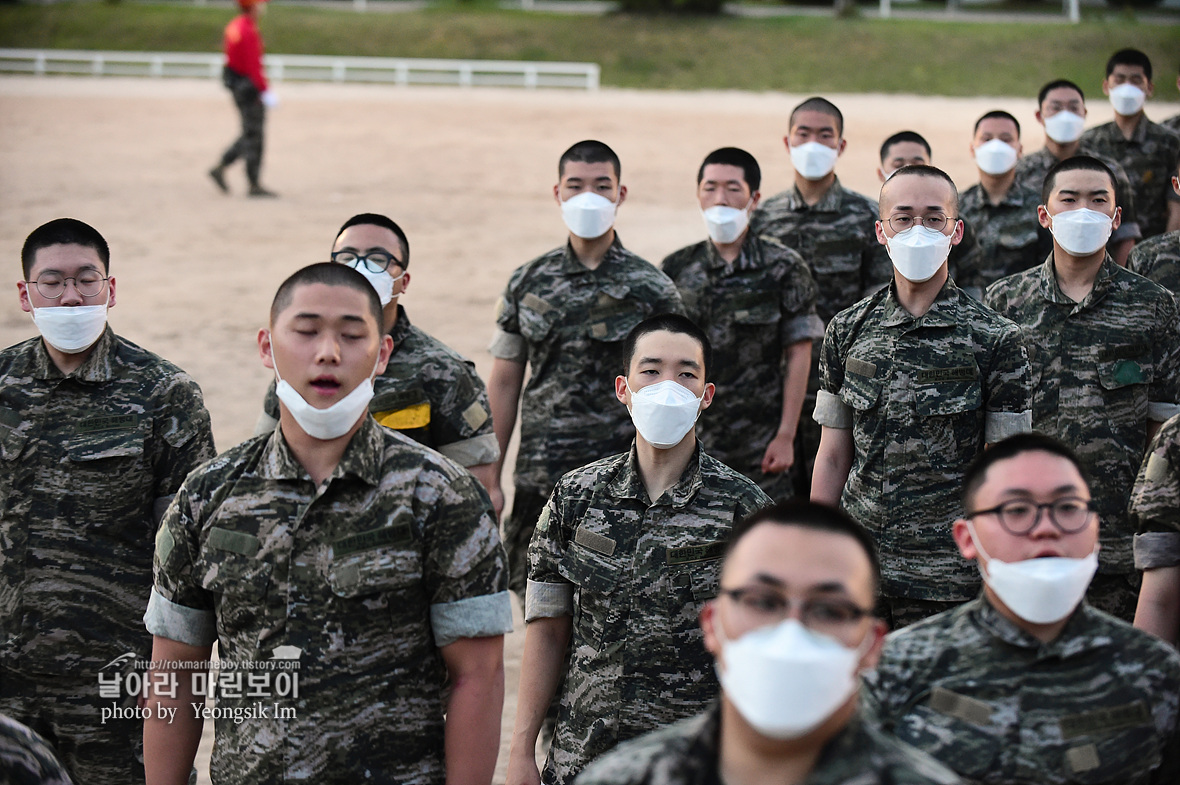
(831, 411)
(193, 626)
(473, 617)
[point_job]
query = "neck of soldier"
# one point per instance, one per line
(813, 191)
(1128, 123)
(746, 757)
(731, 251)
(1061, 150)
(997, 186)
(1076, 274)
(661, 469)
(592, 252)
(389, 314)
(917, 298)
(68, 363)
(1045, 633)
(318, 457)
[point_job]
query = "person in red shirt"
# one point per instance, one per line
(244, 76)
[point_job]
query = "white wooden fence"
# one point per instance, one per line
(314, 68)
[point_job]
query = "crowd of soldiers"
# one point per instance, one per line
(876, 558)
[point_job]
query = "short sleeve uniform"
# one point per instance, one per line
(1158, 259)
(359, 581)
(922, 397)
(1155, 501)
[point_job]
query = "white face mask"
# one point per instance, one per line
(1081, 232)
(1040, 591)
(1064, 127)
(814, 161)
(726, 224)
(995, 157)
(784, 679)
(664, 412)
(71, 328)
(381, 282)
(918, 252)
(588, 215)
(1127, 99)
(332, 422)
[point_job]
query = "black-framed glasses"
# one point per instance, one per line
(374, 261)
(901, 222)
(1018, 517)
(52, 286)
(763, 605)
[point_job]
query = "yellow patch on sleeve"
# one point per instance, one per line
(416, 416)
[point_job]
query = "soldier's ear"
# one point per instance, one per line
(707, 619)
(963, 539)
(621, 391)
(264, 348)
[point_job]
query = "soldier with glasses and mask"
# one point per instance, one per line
(1028, 683)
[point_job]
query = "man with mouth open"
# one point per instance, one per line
(365, 565)
(1028, 683)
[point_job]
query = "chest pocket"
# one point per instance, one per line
(380, 561)
(612, 317)
(11, 443)
(1017, 238)
(1134, 368)
(536, 317)
(859, 391)
(228, 566)
(1117, 744)
(837, 256)
(590, 565)
(954, 727)
(755, 308)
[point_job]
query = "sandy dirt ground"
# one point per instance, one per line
(467, 173)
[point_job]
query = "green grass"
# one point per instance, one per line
(797, 54)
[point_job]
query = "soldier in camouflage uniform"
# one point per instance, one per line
(1073, 696)
(1173, 122)
(565, 315)
(1105, 352)
(826, 561)
(96, 435)
(1148, 152)
(25, 758)
(756, 300)
(1002, 211)
(1064, 100)
(428, 391)
(832, 229)
(1155, 504)
(1159, 257)
(916, 379)
(368, 561)
(624, 556)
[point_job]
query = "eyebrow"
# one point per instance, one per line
(827, 587)
(657, 360)
(910, 208)
(1078, 192)
(348, 317)
(1067, 488)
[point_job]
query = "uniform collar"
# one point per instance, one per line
(628, 484)
(361, 459)
(944, 312)
(750, 257)
(571, 266)
(1085, 630)
(1051, 290)
(830, 203)
(98, 367)
(401, 328)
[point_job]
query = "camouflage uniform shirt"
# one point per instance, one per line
(922, 396)
(752, 311)
(90, 461)
(1032, 168)
(568, 323)
(1101, 369)
(1155, 501)
(365, 577)
(1149, 158)
(641, 572)
(25, 758)
(1159, 260)
(688, 753)
(1008, 235)
(429, 392)
(1098, 705)
(1172, 124)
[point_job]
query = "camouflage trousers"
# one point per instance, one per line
(1117, 594)
(253, 113)
(69, 714)
(527, 505)
(898, 612)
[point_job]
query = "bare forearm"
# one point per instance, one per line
(473, 725)
(798, 365)
(545, 643)
(832, 464)
(504, 387)
(1158, 611)
(172, 727)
